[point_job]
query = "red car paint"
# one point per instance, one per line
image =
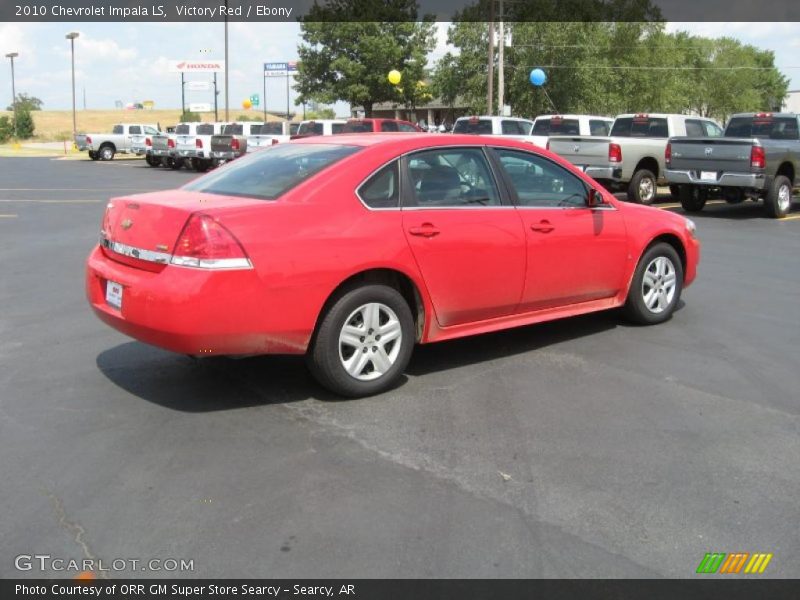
(475, 271)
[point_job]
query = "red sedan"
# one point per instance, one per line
(353, 249)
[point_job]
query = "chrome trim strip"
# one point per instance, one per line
(179, 261)
(133, 252)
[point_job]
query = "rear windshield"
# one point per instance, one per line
(183, 129)
(205, 129)
(477, 126)
(775, 128)
(268, 174)
(643, 127)
(357, 127)
(310, 129)
(233, 129)
(267, 129)
(556, 127)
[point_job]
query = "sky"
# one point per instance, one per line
(129, 61)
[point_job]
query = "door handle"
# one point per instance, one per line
(542, 226)
(425, 230)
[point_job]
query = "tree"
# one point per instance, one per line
(6, 129)
(190, 117)
(446, 81)
(25, 126)
(348, 48)
(27, 102)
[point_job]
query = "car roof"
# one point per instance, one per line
(412, 141)
(493, 117)
(574, 117)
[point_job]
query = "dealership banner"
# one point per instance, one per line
(366, 10)
(195, 66)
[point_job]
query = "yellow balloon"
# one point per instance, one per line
(246, 104)
(394, 77)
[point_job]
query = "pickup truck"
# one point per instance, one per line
(103, 146)
(371, 125)
(506, 126)
(232, 142)
(161, 151)
(758, 157)
(193, 143)
(587, 125)
(269, 134)
(320, 127)
(632, 156)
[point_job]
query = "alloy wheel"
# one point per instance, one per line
(370, 341)
(659, 284)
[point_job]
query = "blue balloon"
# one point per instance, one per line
(538, 77)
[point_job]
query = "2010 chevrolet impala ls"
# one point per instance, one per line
(354, 249)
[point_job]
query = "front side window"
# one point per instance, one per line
(540, 182)
(382, 190)
(118, 130)
(268, 174)
(452, 177)
(135, 130)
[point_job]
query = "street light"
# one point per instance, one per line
(12, 56)
(71, 37)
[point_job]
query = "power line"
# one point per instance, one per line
(651, 68)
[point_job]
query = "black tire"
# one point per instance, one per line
(107, 152)
(640, 179)
(175, 163)
(778, 201)
(93, 155)
(636, 308)
(200, 165)
(675, 191)
(153, 161)
(733, 195)
(693, 198)
(325, 357)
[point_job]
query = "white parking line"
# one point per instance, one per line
(8, 216)
(11, 201)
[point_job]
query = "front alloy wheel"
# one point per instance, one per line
(363, 342)
(656, 286)
(659, 284)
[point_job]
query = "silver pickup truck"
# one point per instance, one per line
(161, 151)
(193, 143)
(232, 142)
(632, 156)
(758, 157)
(125, 138)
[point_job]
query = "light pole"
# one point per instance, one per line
(71, 37)
(12, 56)
(227, 117)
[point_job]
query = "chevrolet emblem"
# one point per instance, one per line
(127, 224)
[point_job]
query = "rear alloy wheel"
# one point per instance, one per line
(643, 187)
(364, 342)
(693, 198)
(656, 286)
(779, 197)
(107, 152)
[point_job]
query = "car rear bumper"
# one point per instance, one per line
(224, 155)
(605, 173)
(161, 153)
(188, 153)
(743, 180)
(199, 312)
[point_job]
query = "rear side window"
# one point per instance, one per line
(694, 128)
(268, 174)
(357, 127)
(452, 177)
(293, 127)
(135, 129)
(599, 128)
(781, 128)
(184, 129)
(712, 129)
(389, 126)
(118, 130)
(205, 129)
(382, 190)
(649, 127)
(475, 126)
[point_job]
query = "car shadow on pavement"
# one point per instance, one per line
(738, 212)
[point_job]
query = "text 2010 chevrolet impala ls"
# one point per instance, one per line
(353, 249)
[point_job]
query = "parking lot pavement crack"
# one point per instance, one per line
(76, 530)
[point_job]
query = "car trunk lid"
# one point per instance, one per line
(711, 154)
(585, 151)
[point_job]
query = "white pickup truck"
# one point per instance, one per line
(512, 127)
(269, 134)
(320, 127)
(586, 125)
(193, 144)
(123, 138)
(632, 156)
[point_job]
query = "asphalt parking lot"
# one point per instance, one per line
(581, 448)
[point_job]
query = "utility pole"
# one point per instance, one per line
(227, 116)
(71, 37)
(12, 56)
(183, 94)
(84, 98)
(501, 80)
(490, 94)
(264, 73)
(216, 94)
(287, 92)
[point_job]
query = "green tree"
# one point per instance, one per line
(348, 49)
(25, 126)
(6, 129)
(321, 113)
(446, 81)
(27, 102)
(190, 117)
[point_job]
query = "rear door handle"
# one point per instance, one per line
(542, 227)
(425, 230)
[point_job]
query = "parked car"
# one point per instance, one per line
(303, 248)
(231, 143)
(319, 127)
(269, 134)
(377, 125)
(588, 125)
(757, 157)
(632, 157)
(193, 143)
(104, 146)
(506, 126)
(162, 151)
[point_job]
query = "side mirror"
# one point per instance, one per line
(595, 198)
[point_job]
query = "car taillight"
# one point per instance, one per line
(668, 153)
(547, 145)
(234, 144)
(274, 141)
(88, 140)
(206, 244)
(757, 158)
(170, 143)
(148, 142)
(105, 231)
(198, 143)
(614, 153)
